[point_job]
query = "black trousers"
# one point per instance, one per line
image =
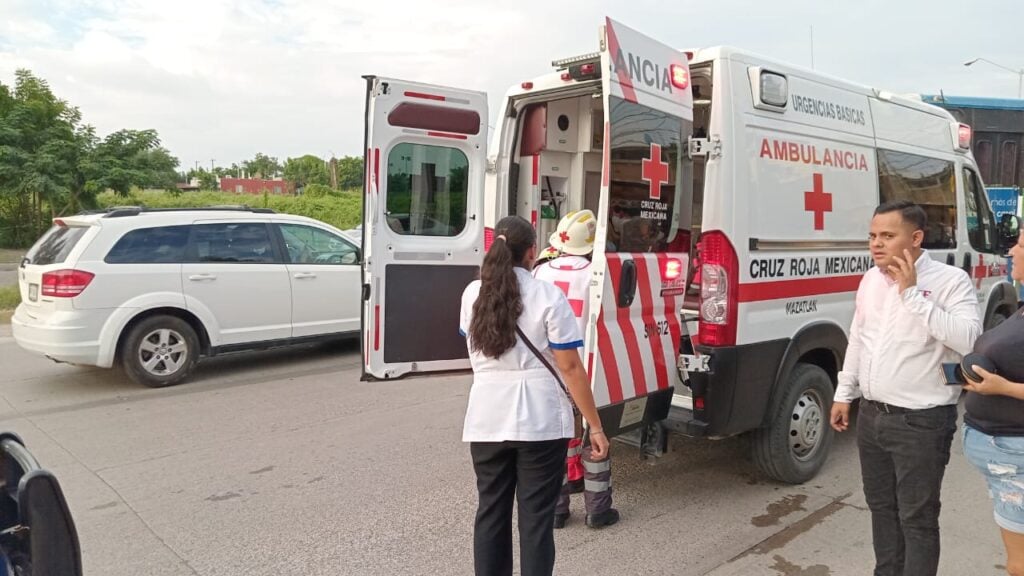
(531, 473)
(903, 457)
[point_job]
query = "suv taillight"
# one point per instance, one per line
(65, 283)
(719, 285)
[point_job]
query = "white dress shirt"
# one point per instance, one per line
(514, 396)
(898, 342)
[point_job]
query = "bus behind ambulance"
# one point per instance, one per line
(733, 195)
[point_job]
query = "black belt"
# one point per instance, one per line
(890, 409)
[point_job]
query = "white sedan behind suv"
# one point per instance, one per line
(153, 290)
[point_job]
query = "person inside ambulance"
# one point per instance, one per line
(519, 416)
(573, 239)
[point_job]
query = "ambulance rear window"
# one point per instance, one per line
(650, 190)
(426, 190)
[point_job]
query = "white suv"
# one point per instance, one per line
(153, 290)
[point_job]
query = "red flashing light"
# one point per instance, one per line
(672, 269)
(527, 85)
(65, 283)
(59, 222)
(566, 76)
(680, 75)
(587, 69)
(964, 136)
(698, 403)
(689, 55)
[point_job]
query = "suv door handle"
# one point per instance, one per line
(301, 275)
(202, 277)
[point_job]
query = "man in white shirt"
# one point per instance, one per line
(912, 314)
(571, 273)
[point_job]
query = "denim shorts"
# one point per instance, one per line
(1000, 459)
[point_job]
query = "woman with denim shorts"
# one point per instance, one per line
(994, 423)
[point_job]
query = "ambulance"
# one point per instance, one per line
(733, 194)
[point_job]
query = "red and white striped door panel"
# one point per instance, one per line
(636, 346)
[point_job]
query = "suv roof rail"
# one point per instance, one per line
(122, 211)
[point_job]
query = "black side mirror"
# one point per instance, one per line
(39, 535)
(627, 284)
(1009, 230)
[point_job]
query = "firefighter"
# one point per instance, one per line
(573, 240)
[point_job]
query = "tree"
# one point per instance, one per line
(41, 146)
(262, 166)
(306, 170)
(350, 172)
(129, 158)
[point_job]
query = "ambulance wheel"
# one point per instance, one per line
(997, 318)
(795, 444)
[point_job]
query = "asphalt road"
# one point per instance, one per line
(283, 462)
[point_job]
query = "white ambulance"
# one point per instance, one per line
(733, 195)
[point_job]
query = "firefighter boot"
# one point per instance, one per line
(598, 491)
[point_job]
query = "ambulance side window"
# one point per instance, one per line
(928, 182)
(426, 190)
(980, 222)
(651, 180)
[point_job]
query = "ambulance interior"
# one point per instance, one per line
(560, 143)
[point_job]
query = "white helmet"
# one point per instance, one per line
(575, 233)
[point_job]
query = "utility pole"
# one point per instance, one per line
(1018, 72)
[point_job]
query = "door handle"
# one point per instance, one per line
(968, 264)
(302, 275)
(951, 259)
(202, 277)
(627, 284)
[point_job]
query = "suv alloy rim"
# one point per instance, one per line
(162, 352)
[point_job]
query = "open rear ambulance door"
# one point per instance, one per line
(423, 229)
(643, 239)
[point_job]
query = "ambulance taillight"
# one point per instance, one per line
(719, 285)
(963, 135)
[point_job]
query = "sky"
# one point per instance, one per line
(221, 80)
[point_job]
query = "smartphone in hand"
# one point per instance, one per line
(953, 374)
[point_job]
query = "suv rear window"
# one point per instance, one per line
(55, 245)
(160, 245)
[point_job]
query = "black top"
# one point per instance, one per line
(1000, 415)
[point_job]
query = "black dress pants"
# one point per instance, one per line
(903, 457)
(530, 473)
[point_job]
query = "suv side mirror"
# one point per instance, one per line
(1009, 230)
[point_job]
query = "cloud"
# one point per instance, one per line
(225, 79)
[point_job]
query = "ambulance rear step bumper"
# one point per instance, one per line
(682, 421)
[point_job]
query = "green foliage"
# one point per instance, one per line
(129, 158)
(53, 164)
(342, 209)
(317, 191)
(262, 166)
(306, 170)
(10, 297)
(350, 172)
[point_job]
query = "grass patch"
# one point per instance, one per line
(10, 297)
(343, 209)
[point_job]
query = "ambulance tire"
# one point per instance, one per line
(795, 444)
(997, 318)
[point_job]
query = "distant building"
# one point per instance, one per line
(190, 186)
(256, 186)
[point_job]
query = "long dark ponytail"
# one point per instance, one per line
(492, 330)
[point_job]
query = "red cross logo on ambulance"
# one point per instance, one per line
(818, 201)
(654, 171)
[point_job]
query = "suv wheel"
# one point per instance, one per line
(795, 445)
(160, 351)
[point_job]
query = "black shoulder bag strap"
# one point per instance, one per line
(544, 361)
